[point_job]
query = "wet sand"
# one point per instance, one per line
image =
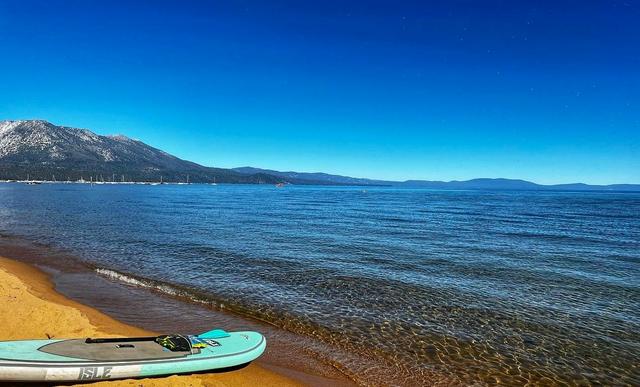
(30, 308)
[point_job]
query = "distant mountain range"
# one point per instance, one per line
(319, 177)
(477, 184)
(44, 151)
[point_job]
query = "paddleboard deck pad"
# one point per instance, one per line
(118, 358)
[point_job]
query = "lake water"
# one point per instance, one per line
(478, 286)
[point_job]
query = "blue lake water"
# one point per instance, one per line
(484, 286)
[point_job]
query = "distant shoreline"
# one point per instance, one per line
(628, 188)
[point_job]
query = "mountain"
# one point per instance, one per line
(473, 184)
(42, 150)
(319, 177)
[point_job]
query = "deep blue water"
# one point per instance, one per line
(485, 286)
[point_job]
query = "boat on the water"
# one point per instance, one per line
(117, 358)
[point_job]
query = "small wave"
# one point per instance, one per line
(122, 278)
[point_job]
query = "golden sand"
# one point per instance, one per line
(30, 308)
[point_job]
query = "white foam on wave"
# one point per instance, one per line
(123, 278)
(162, 288)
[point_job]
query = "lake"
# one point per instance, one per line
(469, 286)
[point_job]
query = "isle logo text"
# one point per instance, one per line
(94, 373)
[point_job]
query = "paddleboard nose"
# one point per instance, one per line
(254, 339)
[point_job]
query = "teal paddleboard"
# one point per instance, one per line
(105, 359)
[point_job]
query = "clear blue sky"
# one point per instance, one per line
(545, 91)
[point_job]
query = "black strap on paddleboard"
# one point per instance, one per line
(119, 340)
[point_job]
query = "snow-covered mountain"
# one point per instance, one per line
(37, 141)
(43, 150)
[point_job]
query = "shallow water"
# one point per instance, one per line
(480, 286)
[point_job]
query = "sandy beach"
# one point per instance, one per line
(32, 309)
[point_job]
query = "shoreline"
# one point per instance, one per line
(73, 280)
(33, 309)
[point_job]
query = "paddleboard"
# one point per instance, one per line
(117, 358)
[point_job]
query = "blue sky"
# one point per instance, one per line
(544, 91)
